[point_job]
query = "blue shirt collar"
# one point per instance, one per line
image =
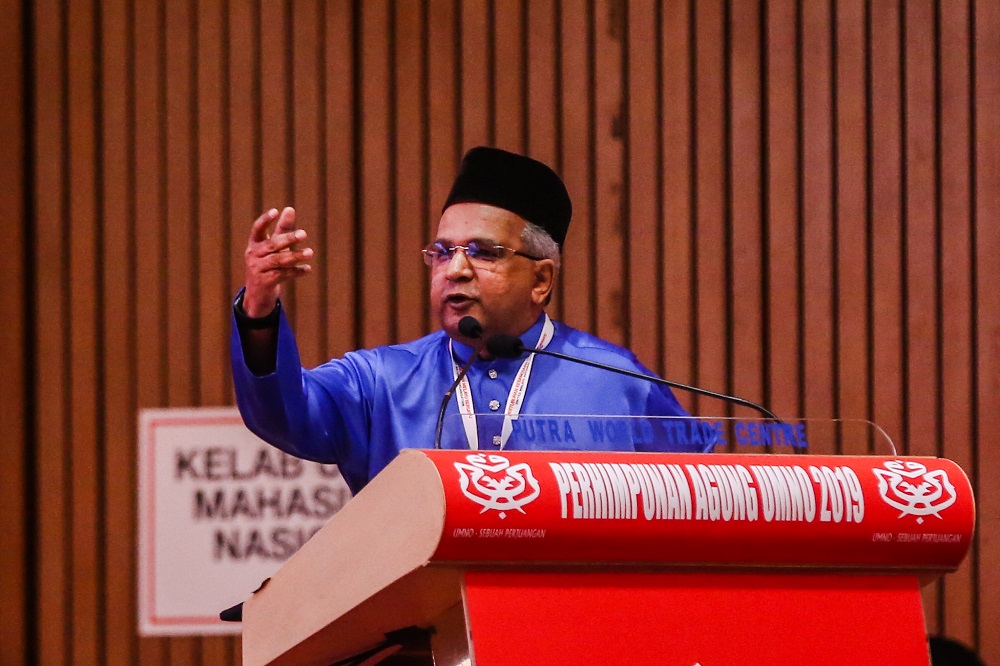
(529, 339)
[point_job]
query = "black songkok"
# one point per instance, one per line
(524, 186)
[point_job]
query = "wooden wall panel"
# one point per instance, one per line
(609, 156)
(955, 273)
(242, 136)
(307, 162)
(209, 208)
(677, 101)
(986, 304)
(578, 274)
(794, 201)
(409, 205)
(642, 169)
(712, 200)
(210, 251)
(375, 271)
(540, 108)
(816, 178)
(885, 212)
(475, 63)
(508, 66)
(52, 377)
(850, 233)
(15, 474)
(339, 234)
(921, 307)
(86, 566)
(119, 325)
(782, 196)
(444, 142)
(744, 333)
(149, 163)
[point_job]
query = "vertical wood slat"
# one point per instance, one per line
(678, 141)
(180, 277)
(118, 251)
(817, 211)
(474, 64)
(275, 164)
(242, 200)
(376, 270)
(921, 229)
(244, 204)
(409, 207)
(986, 166)
(643, 184)
(781, 252)
(541, 125)
(14, 473)
(275, 167)
(147, 161)
(887, 306)
(211, 207)
(181, 182)
(850, 233)
(540, 108)
(444, 115)
(87, 566)
(338, 255)
(955, 268)
(577, 272)
(886, 196)
(710, 200)
(211, 249)
(53, 572)
(609, 157)
(508, 94)
(744, 227)
(921, 306)
(307, 169)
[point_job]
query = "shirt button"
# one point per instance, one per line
(494, 405)
(497, 440)
(493, 373)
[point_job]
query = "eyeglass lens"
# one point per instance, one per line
(489, 253)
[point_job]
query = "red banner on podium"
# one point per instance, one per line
(861, 511)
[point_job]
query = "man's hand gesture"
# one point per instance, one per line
(272, 259)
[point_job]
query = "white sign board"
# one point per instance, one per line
(219, 512)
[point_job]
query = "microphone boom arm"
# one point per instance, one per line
(447, 397)
(638, 375)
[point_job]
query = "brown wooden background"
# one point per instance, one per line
(795, 201)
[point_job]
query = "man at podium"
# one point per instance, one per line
(495, 258)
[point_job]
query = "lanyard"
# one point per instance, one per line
(514, 401)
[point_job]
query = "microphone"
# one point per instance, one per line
(509, 346)
(470, 328)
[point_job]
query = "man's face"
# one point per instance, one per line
(505, 297)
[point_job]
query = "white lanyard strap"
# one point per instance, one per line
(518, 390)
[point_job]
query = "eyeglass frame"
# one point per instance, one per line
(429, 257)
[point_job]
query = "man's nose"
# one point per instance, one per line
(459, 267)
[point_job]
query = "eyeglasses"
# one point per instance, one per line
(480, 253)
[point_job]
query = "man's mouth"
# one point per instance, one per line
(459, 300)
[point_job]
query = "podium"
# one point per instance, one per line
(641, 558)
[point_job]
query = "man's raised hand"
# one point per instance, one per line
(273, 258)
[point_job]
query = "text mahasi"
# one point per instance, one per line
(709, 492)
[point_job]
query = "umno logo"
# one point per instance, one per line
(909, 487)
(491, 481)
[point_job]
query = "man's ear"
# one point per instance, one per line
(545, 280)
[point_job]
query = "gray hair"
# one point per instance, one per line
(539, 243)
